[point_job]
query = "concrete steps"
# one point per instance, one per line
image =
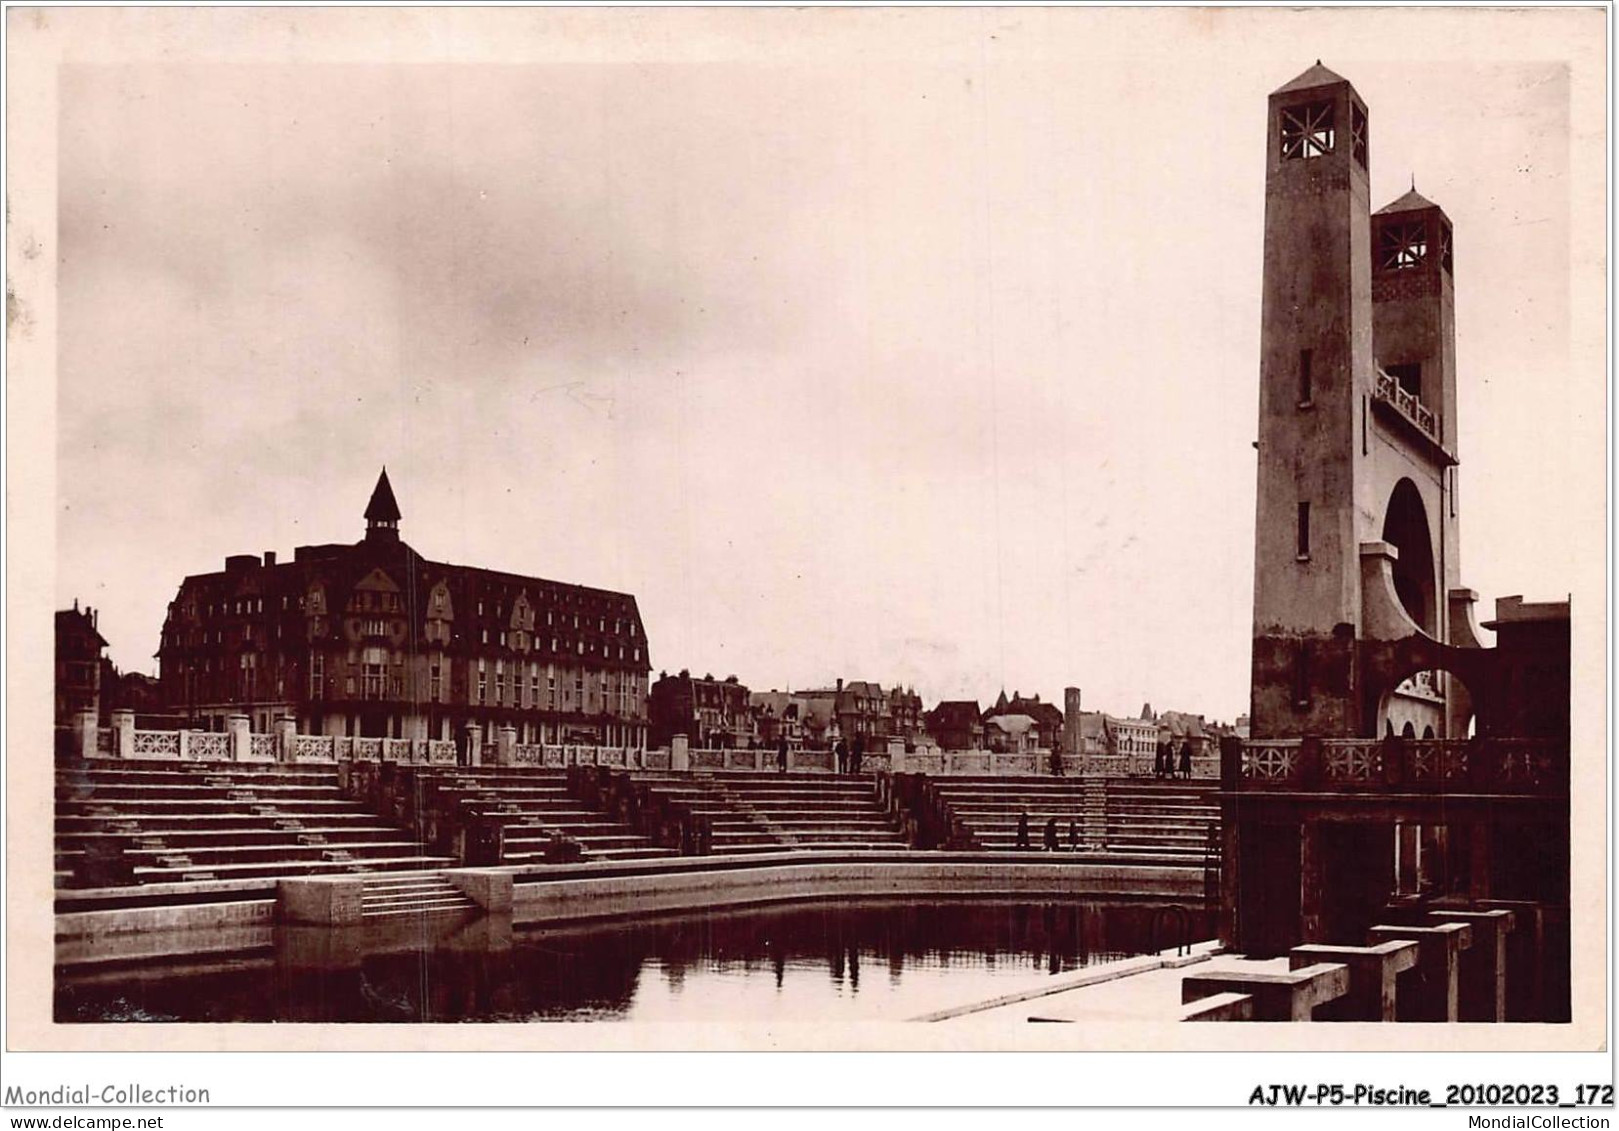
(161, 823)
(412, 894)
(1166, 820)
(535, 805)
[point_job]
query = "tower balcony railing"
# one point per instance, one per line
(1389, 390)
(1526, 766)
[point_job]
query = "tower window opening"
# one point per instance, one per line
(1359, 134)
(1401, 247)
(1307, 131)
(1409, 375)
(1304, 531)
(1306, 359)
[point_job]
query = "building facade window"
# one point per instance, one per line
(483, 683)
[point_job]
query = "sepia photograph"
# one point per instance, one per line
(822, 528)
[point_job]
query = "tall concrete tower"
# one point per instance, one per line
(1073, 731)
(1356, 426)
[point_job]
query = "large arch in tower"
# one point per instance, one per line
(1405, 527)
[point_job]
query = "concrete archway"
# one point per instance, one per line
(1405, 527)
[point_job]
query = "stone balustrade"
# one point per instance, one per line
(1536, 767)
(285, 744)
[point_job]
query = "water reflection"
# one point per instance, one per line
(792, 963)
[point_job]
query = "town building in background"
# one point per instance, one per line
(956, 724)
(78, 662)
(714, 714)
(373, 639)
(1044, 729)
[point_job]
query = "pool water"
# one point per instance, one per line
(859, 960)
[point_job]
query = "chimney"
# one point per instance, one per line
(269, 558)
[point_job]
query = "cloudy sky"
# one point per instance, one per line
(907, 346)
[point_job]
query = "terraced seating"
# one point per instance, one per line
(748, 811)
(733, 829)
(163, 822)
(1169, 818)
(1166, 820)
(533, 806)
(989, 806)
(813, 810)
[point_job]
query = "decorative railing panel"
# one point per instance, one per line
(396, 750)
(1274, 763)
(528, 754)
(441, 751)
(655, 759)
(1390, 765)
(1408, 405)
(312, 748)
(367, 749)
(925, 763)
(158, 743)
(1352, 763)
(811, 759)
(708, 759)
(263, 746)
(967, 762)
(208, 746)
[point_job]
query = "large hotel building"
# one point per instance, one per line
(373, 639)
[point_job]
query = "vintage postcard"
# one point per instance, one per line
(783, 529)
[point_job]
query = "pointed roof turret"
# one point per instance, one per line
(1412, 201)
(1314, 77)
(382, 507)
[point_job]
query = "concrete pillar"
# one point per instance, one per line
(331, 900)
(1293, 996)
(506, 746)
(896, 756)
(490, 889)
(1526, 959)
(123, 732)
(1429, 991)
(240, 741)
(1483, 977)
(84, 725)
(1312, 877)
(1373, 972)
(286, 729)
(474, 743)
(679, 754)
(1479, 883)
(1409, 836)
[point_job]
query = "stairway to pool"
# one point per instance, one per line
(533, 806)
(412, 894)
